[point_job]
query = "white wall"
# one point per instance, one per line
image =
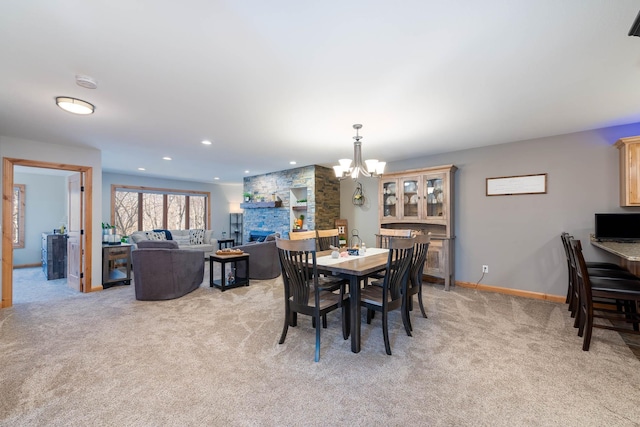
(223, 197)
(61, 154)
(45, 207)
(519, 236)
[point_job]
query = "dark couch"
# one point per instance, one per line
(162, 271)
(263, 259)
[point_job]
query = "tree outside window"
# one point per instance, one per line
(18, 215)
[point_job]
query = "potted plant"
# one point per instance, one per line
(247, 196)
(300, 221)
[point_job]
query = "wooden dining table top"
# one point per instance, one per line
(354, 265)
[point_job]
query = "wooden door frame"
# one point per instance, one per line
(7, 240)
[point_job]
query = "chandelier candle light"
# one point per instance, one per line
(374, 168)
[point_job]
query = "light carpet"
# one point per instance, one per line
(213, 358)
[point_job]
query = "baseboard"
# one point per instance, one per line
(39, 264)
(516, 292)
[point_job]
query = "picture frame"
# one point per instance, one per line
(517, 185)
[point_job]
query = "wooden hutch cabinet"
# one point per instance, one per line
(629, 170)
(422, 199)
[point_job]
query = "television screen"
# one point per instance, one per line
(618, 227)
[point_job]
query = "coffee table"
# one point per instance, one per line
(223, 283)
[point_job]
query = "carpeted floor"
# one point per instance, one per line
(213, 359)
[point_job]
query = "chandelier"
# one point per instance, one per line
(373, 167)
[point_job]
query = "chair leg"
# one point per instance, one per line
(370, 314)
(285, 328)
(324, 321)
(294, 319)
(346, 321)
(406, 319)
(317, 339)
(424, 313)
(385, 332)
(587, 333)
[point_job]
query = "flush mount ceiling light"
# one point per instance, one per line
(374, 168)
(74, 105)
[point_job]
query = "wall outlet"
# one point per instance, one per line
(485, 268)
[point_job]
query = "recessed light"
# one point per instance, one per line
(246, 171)
(292, 162)
(141, 169)
(206, 142)
(216, 178)
(167, 158)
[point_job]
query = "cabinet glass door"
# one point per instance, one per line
(411, 198)
(389, 199)
(436, 196)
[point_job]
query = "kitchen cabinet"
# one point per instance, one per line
(629, 170)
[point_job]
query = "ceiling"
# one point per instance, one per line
(269, 82)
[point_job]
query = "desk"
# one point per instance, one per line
(629, 253)
(354, 268)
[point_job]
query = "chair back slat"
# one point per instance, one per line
(328, 238)
(398, 267)
(421, 247)
(298, 262)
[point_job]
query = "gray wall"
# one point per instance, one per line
(224, 198)
(45, 209)
(519, 236)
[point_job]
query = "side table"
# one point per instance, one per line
(225, 243)
(116, 264)
(223, 260)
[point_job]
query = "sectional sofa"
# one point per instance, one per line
(198, 239)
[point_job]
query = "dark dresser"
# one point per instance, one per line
(54, 255)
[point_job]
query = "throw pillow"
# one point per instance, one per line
(167, 234)
(271, 237)
(156, 235)
(196, 236)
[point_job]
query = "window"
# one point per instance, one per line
(18, 215)
(144, 208)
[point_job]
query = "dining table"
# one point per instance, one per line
(354, 268)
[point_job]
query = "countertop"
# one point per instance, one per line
(627, 250)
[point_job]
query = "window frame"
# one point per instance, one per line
(165, 192)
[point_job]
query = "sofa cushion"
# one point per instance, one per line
(196, 236)
(158, 244)
(182, 240)
(156, 235)
(167, 233)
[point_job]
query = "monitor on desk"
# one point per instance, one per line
(619, 227)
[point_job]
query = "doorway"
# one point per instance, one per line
(84, 211)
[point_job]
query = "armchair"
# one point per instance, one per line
(162, 271)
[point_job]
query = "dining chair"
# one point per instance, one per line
(304, 292)
(390, 295)
(598, 271)
(328, 238)
(571, 292)
(382, 238)
(625, 292)
(414, 285)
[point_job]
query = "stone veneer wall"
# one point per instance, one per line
(323, 199)
(327, 198)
